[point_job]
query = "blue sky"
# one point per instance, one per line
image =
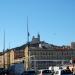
(53, 19)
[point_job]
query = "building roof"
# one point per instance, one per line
(35, 40)
(36, 43)
(20, 47)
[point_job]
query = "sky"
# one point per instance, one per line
(54, 20)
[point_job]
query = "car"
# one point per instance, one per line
(44, 72)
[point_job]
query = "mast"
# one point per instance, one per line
(28, 44)
(27, 31)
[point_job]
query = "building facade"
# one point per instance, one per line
(39, 55)
(43, 57)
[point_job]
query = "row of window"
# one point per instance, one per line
(46, 54)
(52, 53)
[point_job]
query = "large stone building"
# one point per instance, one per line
(43, 55)
(38, 54)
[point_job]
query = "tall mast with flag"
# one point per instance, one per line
(28, 45)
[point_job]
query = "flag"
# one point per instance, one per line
(28, 34)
